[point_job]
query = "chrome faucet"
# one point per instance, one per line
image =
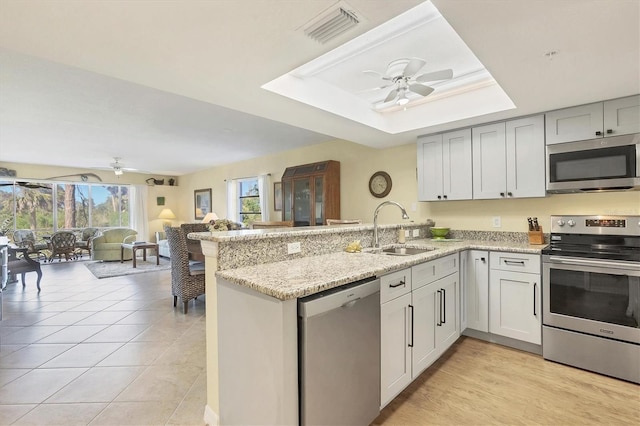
(376, 242)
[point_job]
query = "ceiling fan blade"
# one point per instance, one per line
(413, 67)
(435, 76)
(391, 96)
(376, 88)
(421, 89)
(377, 74)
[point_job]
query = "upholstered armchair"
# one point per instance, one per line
(27, 238)
(63, 243)
(83, 239)
(106, 245)
(187, 278)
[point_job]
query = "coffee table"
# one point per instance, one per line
(137, 246)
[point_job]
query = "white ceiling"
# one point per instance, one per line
(175, 86)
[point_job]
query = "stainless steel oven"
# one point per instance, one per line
(591, 294)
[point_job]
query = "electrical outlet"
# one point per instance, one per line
(497, 222)
(406, 233)
(414, 207)
(293, 248)
(416, 232)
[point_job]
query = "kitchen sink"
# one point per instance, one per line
(405, 251)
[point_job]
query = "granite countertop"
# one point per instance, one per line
(301, 277)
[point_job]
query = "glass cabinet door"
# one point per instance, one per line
(286, 200)
(318, 202)
(302, 202)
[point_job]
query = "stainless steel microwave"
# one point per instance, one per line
(602, 164)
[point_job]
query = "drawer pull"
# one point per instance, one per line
(514, 262)
(401, 283)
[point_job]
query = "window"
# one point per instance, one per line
(248, 201)
(47, 207)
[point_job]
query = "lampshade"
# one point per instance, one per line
(166, 214)
(209, 217)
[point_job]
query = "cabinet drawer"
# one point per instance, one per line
(395, 285)
(515, 262)
(433, 270)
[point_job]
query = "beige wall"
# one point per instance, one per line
(358, 163)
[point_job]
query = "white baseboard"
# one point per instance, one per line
(210, 417)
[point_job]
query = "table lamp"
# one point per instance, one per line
(211, 216)
(166, 214)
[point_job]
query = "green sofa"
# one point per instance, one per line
(106, 246)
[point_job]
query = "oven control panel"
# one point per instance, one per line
(606, 223)
(598, 225)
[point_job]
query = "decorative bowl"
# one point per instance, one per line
(439, 233)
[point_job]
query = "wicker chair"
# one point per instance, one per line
(63, 243)
(187, 280)
(27, 238)
(193, 246)
(83, 240)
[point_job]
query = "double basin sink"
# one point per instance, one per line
(402, 251)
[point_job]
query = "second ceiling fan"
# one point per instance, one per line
(403, 77)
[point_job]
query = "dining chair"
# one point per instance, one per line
(187, 278)
(63, 243)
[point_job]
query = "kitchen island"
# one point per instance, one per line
(252, 309)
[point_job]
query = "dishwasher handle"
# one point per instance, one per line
(343, 297)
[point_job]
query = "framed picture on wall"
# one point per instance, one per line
(277, 196)
(202, 202)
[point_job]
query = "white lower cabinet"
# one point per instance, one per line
(395, 358)
(419, 325)
(515, 308)
(476, 289)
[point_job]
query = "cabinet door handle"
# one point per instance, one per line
(598, 133)
(510, 194)
(609, 131)
(401, 283)
(502, 194)
(439, 197)
(411, 318)
(444, 196)
(439, 324)
(535, 285)
(444, 306)
(514, 262)
(482, 259)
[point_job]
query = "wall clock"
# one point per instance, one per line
(380, 184)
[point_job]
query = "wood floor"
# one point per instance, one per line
(480, 383)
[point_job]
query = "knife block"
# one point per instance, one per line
(536, 237)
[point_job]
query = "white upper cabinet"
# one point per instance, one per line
(622, 116)
(509, 159)
(600, 119)
(444, 166)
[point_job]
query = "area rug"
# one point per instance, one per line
(116, 269)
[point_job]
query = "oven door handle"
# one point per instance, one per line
(596, 263)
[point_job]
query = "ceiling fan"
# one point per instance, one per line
(118, 167)
(402, 75)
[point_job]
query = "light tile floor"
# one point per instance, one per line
(100, 352)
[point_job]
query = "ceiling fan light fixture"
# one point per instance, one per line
(402, 100)
(118, 171)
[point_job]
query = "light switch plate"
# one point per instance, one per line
(416, 232)
(293, 248)
(497, 222)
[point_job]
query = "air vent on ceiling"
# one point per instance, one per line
(331, 23)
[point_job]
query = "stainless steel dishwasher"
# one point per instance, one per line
(339, 355)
